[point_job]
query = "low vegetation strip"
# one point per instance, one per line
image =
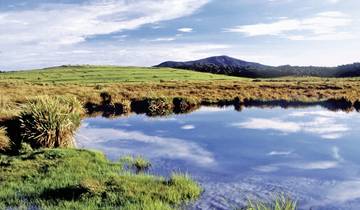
(79, 179)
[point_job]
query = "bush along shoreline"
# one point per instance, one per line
(41, 169)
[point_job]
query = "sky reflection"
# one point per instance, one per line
(249, 154)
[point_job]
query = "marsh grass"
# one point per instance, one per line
(50, 121)
(138, 163)
(80, 179)
(134, 84)
(281, 202)
(186, 186)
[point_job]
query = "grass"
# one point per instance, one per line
(13, 94)
(4, 140)
(125, 84)
(279, 203)
(79, 179)
(50, 121)
(139, 164)
(107, 74)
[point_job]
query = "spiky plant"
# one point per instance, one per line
(50, 121)
(4, 140)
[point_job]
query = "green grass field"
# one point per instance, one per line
(108, 74)
(80, 179)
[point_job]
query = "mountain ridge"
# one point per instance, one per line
(235, 67)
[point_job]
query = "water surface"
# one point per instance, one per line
(311, 154)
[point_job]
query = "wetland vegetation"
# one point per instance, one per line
(40, 111)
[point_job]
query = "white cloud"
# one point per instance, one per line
(185, 30)
(322, 123)
(188, 127)
(39, 35)
(117, 142)
(162, 39)
(322, 26)
(60, 24)
(148, 54)
(279, 153)
(319, 165)
(269, 124)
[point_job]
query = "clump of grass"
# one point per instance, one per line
(50, 121)
(280, 203)
(4, 140)
(139, 164)
(185, 185)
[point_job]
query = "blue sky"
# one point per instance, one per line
(39, 33)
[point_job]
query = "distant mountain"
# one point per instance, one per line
(235, 67)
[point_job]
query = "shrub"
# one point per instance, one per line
(4, 140)
(50, 121)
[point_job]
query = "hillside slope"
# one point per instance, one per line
(235, 67)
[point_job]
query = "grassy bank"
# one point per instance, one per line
(79, 179)
(126, 84)
(39, 170)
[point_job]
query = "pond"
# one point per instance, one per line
(311, 154)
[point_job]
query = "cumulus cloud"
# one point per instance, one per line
(322, 123)
(117, 142)
(61, 24)
(185, 30)
(269, 124)
(49, 34)
(322, 26)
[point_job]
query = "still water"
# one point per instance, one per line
(311, 154)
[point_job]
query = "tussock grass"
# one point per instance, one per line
(279, 203)
(185, 185)
(79, 179)
(138, 163)
(4, 140)
(50, 121)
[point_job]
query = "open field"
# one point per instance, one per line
(87, 83)
(107, 74)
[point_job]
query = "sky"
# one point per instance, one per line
(39, 33)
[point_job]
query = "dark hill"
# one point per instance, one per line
(235, 67)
